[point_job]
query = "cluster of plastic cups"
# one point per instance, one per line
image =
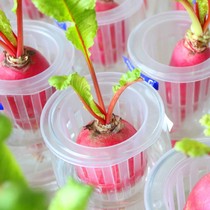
(118, 173)
(23, 100)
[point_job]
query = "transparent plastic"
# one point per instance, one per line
(153, 7)
(23, 100)
(173, 177)
(114, 27)
(184, 90)
(122, 167)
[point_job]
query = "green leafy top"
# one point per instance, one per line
(82, 88)
(199, 14)
(81, 14)
(192, 147)
(5, 128)
(129, 76)
(6, 29)
(73, 196)
(205, 121)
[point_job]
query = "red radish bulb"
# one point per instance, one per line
(199, 197)
(94, 135)
(18, 62)
(193, 49)
(108, 40)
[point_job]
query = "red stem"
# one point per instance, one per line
(7, 42)
(115, 99)
(19, 28)
(7, 49)
(207, 22)
(100, 119)
(196, 9)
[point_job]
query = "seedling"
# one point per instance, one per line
(18, 62)
(106, 128)
(193, 49)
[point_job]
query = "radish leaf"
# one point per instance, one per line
(6, 29)
(80, 86)
(72, 196)
(15, 196)
(203, 10)
(14, 9)
(129, 76)
(82, 16)
(192, 147)
(205, 121)
(5, 128)
(9, 168)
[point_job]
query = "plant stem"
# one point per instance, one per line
(115, 99)
(7, 42)
(101, 120)
(95, 83)
(7, 48)
(19, 15)
(207, 22)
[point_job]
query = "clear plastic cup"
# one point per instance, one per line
(173, 177)
(117, 172)
(153, 7)
(114, 27)
(23, 100)
(184, 90)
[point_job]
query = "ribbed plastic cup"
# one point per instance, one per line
(173, 177)
(117, 172)
(23, 100)
(114, 27)
(184, 90)
(153, 7)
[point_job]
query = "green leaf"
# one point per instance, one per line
(14, 196)
(9, 168)
(6, 29)
(196, 26)
(82, 16)
(205, 121)
(5, 127)
(60, 82)
(192, 147)
(73, 196)
(129, 76)
(203, 9)
(80, 86)
(14, 9)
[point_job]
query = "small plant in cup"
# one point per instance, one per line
(193, 49)
(19, 62)
(198, 198)
(106, 128)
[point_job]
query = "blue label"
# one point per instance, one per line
(62, 25)
(147, 79)
(1, 107)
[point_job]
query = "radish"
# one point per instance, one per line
(106, 129)
(198, 198)
(19, 62)
(104, 51)
(193, 49)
